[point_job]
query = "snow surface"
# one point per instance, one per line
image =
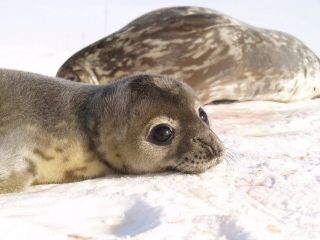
(267, 188)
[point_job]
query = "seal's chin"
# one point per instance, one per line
(193, 167)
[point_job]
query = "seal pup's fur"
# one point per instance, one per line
(56, 131)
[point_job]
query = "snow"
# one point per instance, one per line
(267, 188)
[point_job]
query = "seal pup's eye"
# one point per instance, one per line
(203, 116)
(161, 134)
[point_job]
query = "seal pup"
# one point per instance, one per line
(220, 57)
(55, 131)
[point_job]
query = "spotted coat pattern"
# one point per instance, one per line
(220, 57)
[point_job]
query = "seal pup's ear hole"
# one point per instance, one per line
(161, 134)
(203, 115)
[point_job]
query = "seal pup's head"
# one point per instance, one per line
(151, 123)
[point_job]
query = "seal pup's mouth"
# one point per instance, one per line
(195, 167)
(203, 156)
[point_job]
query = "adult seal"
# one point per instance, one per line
(220, 57)
(54, 130)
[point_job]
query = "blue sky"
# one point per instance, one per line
(67, 25)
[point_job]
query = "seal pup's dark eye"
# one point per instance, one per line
(161, 134)
(203, 116)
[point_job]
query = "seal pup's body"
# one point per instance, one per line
(55, 130)
(220, 57)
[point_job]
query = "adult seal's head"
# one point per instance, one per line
(220, 57)
(150, 123)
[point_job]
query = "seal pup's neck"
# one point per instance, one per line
(90, 115)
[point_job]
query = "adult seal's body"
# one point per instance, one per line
(220, 57)
(54, 130)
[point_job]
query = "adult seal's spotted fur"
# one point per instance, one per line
(220, 57)
(55, 130)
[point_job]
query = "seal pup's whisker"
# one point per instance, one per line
(229, 157)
